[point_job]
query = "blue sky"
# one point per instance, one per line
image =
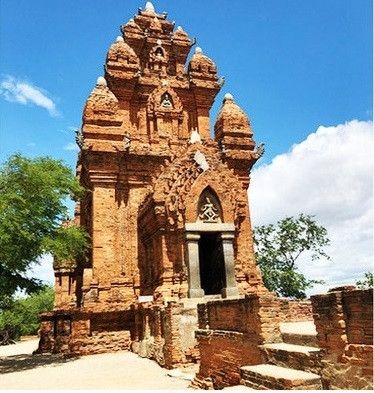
(294, 66)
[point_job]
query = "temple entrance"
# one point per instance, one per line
(211, 263)
(210, 259)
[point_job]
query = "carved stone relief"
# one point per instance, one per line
(208, 212)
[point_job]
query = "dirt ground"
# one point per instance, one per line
(19, 369)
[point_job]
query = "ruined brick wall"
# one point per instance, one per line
(344, 323)
(54, 332)
(255, 314)
(358, 309)
(174, 353)
(222, 353)
(85, 333)
(294, 310)
(162, 333)
(230, 333)
(187, 325)
(166, 334)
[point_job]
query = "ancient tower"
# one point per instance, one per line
(166, 203)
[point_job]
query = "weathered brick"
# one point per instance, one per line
(347, 337)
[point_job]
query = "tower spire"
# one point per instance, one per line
(149, 7)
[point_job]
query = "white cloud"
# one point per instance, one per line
(71, 146)
(43, 270)
(330, 176)
(24, 93)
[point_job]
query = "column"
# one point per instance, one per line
(228, 255)
(192, 258)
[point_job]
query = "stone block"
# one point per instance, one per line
(272, 377)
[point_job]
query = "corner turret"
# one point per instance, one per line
(233, 132)
(101, 106)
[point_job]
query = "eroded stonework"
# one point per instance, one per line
(166, 204)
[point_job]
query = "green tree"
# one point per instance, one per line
(21, 318)
(279, 247)
(367, 282)
(33, 193)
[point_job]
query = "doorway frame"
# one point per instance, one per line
(193, 232)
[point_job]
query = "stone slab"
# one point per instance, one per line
(279, 372)
(266, 376)
(238, 387)
(209, 227)
(291, 348)
(299, 333)
(305, 358)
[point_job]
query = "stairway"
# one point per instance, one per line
(290, 365)
(268, 376)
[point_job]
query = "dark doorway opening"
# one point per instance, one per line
(212, 263)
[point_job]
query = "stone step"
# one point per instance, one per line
(268, 376)
(300, 339)
(299, 333)
(238, 387)
(193, 302)
(297, 357)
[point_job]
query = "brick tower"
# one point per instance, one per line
(166, 204)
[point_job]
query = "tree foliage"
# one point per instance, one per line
(279, 247)
(21, 318)
(367, 282)
(33, 193)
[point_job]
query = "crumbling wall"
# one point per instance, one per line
(85, 333)
(174, 354)
(295, 310)
(162, 333)
(149, 341)
(229, 335)
(166, 334)
(54, 332)
(344, 323)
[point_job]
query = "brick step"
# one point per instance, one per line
(300, 339)
(268, 376)
(193, 302)
(299, 333)
(238, 387)
(297, 357)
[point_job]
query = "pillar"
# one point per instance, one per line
(228, 255)
(192, 258)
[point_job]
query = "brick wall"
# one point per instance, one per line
(54, 332)
(222, 355)
(344, 323)
(162, 333)
(230, 333)
(173, 348)
(358, 309)
(227, 315)
(166, 334)
(84, 333)
(295, 310)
